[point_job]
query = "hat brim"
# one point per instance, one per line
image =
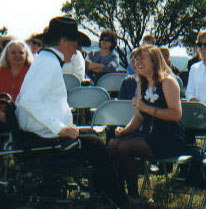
(80, 37)
(83, 39)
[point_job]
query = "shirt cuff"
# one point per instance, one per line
(56, 127)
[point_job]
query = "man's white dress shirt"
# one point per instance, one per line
(196, 87)
(76, 66)
(42, 105)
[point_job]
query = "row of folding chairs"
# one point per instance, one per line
(111, 82)
(115, 113)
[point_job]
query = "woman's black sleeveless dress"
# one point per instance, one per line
(165, 138)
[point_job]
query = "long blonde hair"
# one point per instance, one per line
(161, 69)
(4, 61)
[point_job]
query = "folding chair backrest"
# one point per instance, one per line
(114, 113)
(194, 115)
(111, 81)
(71, 81)
(87, 97)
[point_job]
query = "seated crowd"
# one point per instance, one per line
(33, 75)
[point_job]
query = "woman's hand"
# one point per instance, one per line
(70, 131)
(94, 67)
(139, 104)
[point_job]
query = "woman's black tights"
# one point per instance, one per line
(123, 151)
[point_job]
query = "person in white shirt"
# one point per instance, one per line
(42, 106)
(76, 66)
(196, 88)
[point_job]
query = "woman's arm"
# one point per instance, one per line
(171, 92)
(134, 124)
(111, 62)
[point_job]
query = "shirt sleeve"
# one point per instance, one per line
(79, 65)
(89, 57)
(190, 90)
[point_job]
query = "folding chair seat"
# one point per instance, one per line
(193, 119)
(34, 160)
(84, 101)
(112, 82)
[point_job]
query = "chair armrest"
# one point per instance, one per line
(184, 159)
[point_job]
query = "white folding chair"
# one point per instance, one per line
(111, 114)
(86, 99)
(193, 118)
(112, 82)
(71, 81)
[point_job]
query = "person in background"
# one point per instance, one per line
(76, 66)
(196, 58)
(155, 131)
(166, 54)
(35, 42)
(14, 63)
(128, 88)
(148, 40)
(196, 90)
(4, 40)
(104, 60)
(42, 107)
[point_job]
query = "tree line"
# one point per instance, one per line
(171, 22)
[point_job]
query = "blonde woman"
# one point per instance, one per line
(14, 63)
(155, 130)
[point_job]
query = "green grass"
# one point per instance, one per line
(170, 200)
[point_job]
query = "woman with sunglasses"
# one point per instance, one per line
(104, 60)
(196, 90)
(35, 42)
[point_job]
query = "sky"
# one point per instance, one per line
(24, 17)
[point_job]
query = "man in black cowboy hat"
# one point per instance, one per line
(42, 106)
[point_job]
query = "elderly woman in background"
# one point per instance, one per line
(105, 60)
(35, 42)
(14, 63)
(155, 130)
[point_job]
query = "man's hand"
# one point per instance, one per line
(70, 131)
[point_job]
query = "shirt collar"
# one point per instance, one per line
(60, 54)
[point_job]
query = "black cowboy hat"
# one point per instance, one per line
(64, 26)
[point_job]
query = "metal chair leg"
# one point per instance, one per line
(191, 197)
(203, 202)
(146, 179)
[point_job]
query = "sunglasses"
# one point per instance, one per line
(201, 45)
(105, 40)
(36, 43)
